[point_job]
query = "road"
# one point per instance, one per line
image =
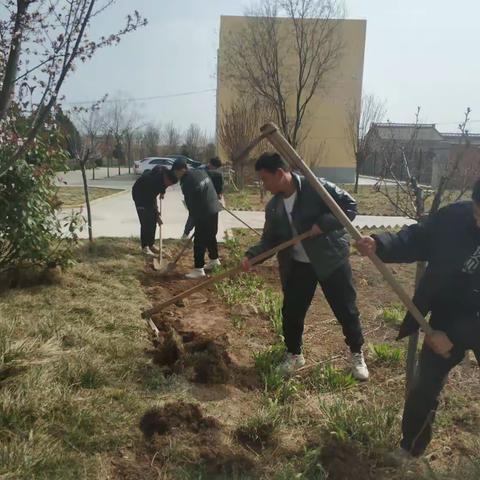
(116, 216)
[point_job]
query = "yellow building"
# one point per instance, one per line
(328, 148)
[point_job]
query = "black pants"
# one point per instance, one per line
(148, 224)
(340, 294)
(189, 224)
(205, 239)
(463, 329)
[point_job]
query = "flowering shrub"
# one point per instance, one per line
(31, 231)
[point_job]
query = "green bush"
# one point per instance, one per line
(31, 233)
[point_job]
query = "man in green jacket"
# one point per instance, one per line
(324, 258)
(203, 206)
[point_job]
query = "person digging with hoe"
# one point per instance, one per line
(323, 258)
(212, 169)
(144, 193)
(449, 241)
(203, 206)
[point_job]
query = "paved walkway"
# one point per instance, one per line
(116, 216)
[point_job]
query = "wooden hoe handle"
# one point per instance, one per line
(226, 274)
(288, 152)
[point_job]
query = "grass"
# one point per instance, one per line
(73, 375)
(372, 423)
(277, 387)
(393, 314)
(246, 199)
(71, 196)
(387, 354)
(258, 431)
(330, 379)
(372, 202)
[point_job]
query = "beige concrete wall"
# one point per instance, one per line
(327, 147)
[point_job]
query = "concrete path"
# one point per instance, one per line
(116, 216)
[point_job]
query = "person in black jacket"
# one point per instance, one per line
(449, 241)
(294, 209)
(203, 206)
(217, 179)
(144, 193)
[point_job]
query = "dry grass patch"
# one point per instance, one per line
(71, 196)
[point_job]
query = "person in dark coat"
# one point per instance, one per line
(203, 206)
(324, 258)
(449, 241)
(144, 193)
(217, 179)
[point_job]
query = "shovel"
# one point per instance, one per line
(172, 265)
(259, 258)
(279, 142)
(157, 262)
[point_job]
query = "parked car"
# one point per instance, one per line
(147, 164)
(190, 162)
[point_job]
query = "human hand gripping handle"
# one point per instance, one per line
(435, 339)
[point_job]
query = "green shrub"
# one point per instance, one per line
(31, 232)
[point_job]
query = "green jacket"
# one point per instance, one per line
(327, 251)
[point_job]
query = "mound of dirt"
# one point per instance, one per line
(256, 438)
(221, 460)
(170, 352)
(186, 416)
(344, 461)
(210, 361)
(207, 358)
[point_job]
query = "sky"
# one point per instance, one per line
(418, 53)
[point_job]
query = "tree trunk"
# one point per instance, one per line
(420, 270)
(11, 67)
(357, 175)
(87, 200)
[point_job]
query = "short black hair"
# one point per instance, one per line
(215, 162)
(476, 191)
(179, 164)
(271, 162)
(171, 175)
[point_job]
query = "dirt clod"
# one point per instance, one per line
(256, 437)
(221, 460)
(344, 461)
(187, 416)
(209, 361)
(170, 352)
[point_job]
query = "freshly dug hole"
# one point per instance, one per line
(187, 416)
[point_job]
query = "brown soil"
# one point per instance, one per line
(344, 461)
(258, 439)
(175, 415)
(200, 343)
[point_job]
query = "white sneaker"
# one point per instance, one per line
(212, 264)
(359, 367)
(399, 458)
(148, 252)
(154, 249)
(196, 273)
(292, 362)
